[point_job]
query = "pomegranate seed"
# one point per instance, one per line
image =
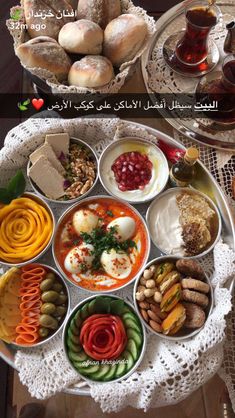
(132, 171)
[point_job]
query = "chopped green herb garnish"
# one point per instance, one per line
(110, 213)
(103, 240)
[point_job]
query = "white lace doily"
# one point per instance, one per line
(170, 371)
(126, 69)
(161, 79)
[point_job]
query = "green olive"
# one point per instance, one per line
(48, 308)
(60, 311)
(50, 296)
(62, 298)
(47, 321)
(57, 287)
(46, 285)
(50, 276)
(43, 332)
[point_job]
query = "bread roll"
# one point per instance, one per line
(53, 25)
(82, 37)
(123, 38)
(99, 11)
(91, 71)
(44, 52)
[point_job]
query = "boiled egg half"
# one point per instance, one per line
(125, 227)
(84, 221)
(78, 258)
(116, 264)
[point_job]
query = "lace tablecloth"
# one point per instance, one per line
(170, 371)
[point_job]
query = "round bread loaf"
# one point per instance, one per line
(82, 37)
(49, 25)
(99, 11)
(123, 38)
(44, 52)
(91, 71)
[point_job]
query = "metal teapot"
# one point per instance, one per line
(229, 44)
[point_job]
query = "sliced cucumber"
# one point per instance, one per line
(130, 361)
(77, 357)
(132, 348)
(103, 370)
(136, 336)
(111, 374)
(121, 370)
(74, 338)
(88, 371)
(84, 311)
(131, 316)
(77, 319)
(76, 348)
(129, 323)
(74, 328)
(91, 307)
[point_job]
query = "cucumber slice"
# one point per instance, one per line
(76, 348)
(132, 348)
(111, 374)
(100, 374)
(121, 369)
(129, 323)
(131, 316)
(74, 327)
(77, 319)
(77, 357)
(91, 307)
(88, 371)
(130, 361)
(74, 338)
(84, 312)
(136, 336)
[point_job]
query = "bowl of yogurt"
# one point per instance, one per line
(184, 222)
(134, 170)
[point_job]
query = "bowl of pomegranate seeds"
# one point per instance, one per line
(134, 170)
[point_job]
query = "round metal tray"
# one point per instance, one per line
(206, 132)
(206, 185)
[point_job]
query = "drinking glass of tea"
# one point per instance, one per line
(192, 48)
(228, 74)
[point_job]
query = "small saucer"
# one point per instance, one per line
(222, 117)
(199, 70)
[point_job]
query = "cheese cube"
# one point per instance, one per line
(47, 178)
(59, 143)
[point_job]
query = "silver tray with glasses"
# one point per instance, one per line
(159, 78)
(206, 185)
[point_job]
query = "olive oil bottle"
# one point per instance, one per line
(183, 172)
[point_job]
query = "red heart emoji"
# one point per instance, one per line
(37, 103)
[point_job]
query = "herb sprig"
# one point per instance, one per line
(14, 189)
(103, 240)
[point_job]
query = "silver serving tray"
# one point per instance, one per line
(199, 133)
(7, 352)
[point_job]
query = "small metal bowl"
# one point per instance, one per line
(184, 333)
(86, 201)
(48, 209)
(68, 320)
(70, 201)
(46, 340)
(150, 217)
(113, 151)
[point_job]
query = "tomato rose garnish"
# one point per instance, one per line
(103, 336)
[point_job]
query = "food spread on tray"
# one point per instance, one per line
(80, 47)
(133, 170)
(104, 339)
(101, 244)
(173, 296)
(70, 165)
(33, 304)
(193, 225)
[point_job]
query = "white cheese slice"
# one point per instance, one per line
(47, 152)
(59, 143)
(47, 178)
